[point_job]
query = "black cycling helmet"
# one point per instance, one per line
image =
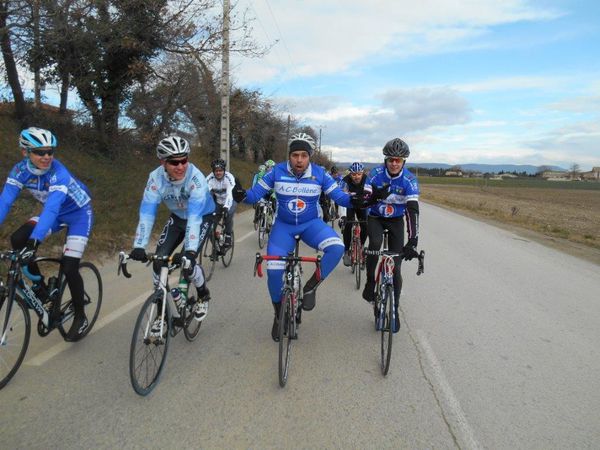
(396, 148)
(218, 164)
(333, 170)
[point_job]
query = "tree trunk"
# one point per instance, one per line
(9, 62)
(64, 93)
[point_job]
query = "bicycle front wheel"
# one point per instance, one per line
(286, 330)
(15, 330)
(387, 322)
(228, 256)
(149, 345)
(92, 299)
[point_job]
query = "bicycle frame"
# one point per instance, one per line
(17, 274)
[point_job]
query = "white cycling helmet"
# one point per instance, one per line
(172, 147)
(301, 141)
(33, 137)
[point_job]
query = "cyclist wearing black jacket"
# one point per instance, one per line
(354, 183)
(402, 201)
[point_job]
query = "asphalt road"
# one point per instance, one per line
(498, 349)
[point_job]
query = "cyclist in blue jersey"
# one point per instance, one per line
(66, 201)
(353, 182)
(298, 183)
(402, 202)
(183, 189)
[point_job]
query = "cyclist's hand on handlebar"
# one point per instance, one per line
(410, 249)
(27, 253)
(138, 254)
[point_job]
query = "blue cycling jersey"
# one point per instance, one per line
(188, 199)
(59, 191)
(403, 187)
(297, 196)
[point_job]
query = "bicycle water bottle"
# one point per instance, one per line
(183, 288)
(52, 287)
(176, 295)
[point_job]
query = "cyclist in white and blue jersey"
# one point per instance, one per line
(66, 201)
(183, 189)
(401, 202)
(298, 183)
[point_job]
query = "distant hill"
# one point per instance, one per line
(484, 168)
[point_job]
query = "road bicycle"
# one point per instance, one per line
(383, 306)
(290, 313)
(24, 291)
(357, 255)
(265, 221)
(156, 324)
(214, 246)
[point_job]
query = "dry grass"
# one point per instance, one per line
(573, 215)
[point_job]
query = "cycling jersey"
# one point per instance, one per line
(404, 187)
(187, 199)
(222, 188)
(297, 196)
(61, 193)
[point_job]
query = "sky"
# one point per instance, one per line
(461, 81)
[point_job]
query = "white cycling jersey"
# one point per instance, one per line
(222, 188)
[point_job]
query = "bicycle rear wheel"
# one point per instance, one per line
(191, 326)
(15, 338)
(286, 331)
(228, 256)
(92, 299)
(208, 256)
(148, 352)
(386, 328)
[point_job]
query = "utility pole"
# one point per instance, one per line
(287, 136)
(225, 86)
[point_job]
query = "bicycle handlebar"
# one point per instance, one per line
(173, 261)
(420, 258)
(312, 259)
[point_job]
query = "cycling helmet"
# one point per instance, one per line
(33, 137)
(357, 167)
(396, 148)
(269, 163)
(218, 164)
(301, 141)
(262, 168)
(172, 147)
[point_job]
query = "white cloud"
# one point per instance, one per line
(327, 37)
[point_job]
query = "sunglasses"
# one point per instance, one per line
(39, 152)
(176, 162)
(395, 160)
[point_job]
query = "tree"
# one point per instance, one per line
(9, 19)
(574, 171)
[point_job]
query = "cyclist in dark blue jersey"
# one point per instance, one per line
(297, 184)
(66, 201)
(402, 202)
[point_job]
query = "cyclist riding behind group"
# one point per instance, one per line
(298, 183)
(183, 189)
(354, 182)
(67, 201)
(221, 183)
(402, 201)
(270, 196)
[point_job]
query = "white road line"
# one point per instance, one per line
(244, 237)
(45, 356)
(456, 410)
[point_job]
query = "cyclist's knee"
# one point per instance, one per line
(19, 238)
(70, 266)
